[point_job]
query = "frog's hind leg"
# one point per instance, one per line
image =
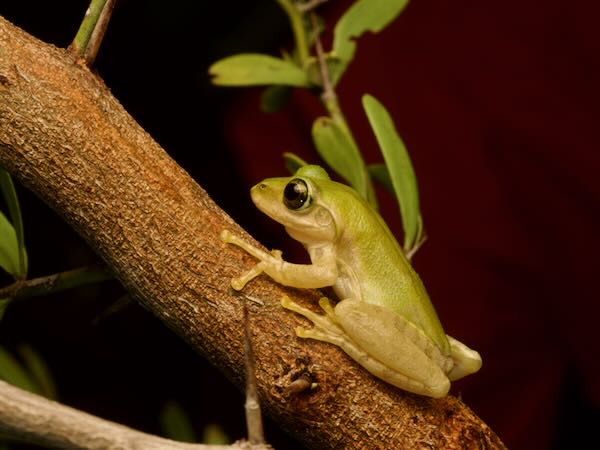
(325, 327)
(393, 349)
(380, 342)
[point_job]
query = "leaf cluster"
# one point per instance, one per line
(309, 66)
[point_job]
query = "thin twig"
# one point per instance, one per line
(330, 101)
(297, 24)
(56, 282)
(91, 32)
(309, 5)
(328, 93)
(253, 415)
(98, 34)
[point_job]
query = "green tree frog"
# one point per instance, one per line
(384, 319)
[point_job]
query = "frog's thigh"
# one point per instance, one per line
(392, 348)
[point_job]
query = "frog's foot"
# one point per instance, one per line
(238, 283)
(230, 238)
(382, 342)
(325, 327)
(466, 360)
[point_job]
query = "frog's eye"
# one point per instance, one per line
(295, 194)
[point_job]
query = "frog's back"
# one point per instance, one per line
(383, 274)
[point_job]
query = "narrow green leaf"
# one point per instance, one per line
(252, 69)
(12, 202)
(400, 169)
(215, 435)
(9, 247)
(38, 371)
(274, 98)
(3, 305)
(175, 423)
(380, 173)
(362, 16)
(12, 372)
(339, 151)
(293, 162)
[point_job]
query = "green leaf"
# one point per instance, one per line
(3, 305)
(251, 69)
(362, 16)
(215, 435)
(293, 162)
(274, 98)
(400, 169)
(339, 151)
(9, 247)
(12, 372)
(12, 202)
(38, 371)
(175, 423)
(380, 173)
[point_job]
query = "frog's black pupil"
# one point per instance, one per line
(295, 193)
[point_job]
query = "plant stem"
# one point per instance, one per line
(330, 101)
(56, 282)
(297, 22)
(253, 414)
(91, 31)
(309, 5)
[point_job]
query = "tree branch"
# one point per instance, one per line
(65, 137)
(32, 418)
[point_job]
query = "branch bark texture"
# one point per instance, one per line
(64, 136)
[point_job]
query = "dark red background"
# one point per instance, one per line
(498, 105)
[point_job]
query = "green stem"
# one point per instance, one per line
(57, 282)
(92, 14)
(297, 22)
(91, 31)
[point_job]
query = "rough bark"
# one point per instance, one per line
(65, 137)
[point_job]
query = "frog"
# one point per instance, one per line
(383, 319)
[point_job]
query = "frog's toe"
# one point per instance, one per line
(237, 284)
(326, 306)
(225, 235)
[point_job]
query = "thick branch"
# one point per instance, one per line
(65, 137)
(33, 418)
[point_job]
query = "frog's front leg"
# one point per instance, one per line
(238, 283)
(384, 343)
(319, 274)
